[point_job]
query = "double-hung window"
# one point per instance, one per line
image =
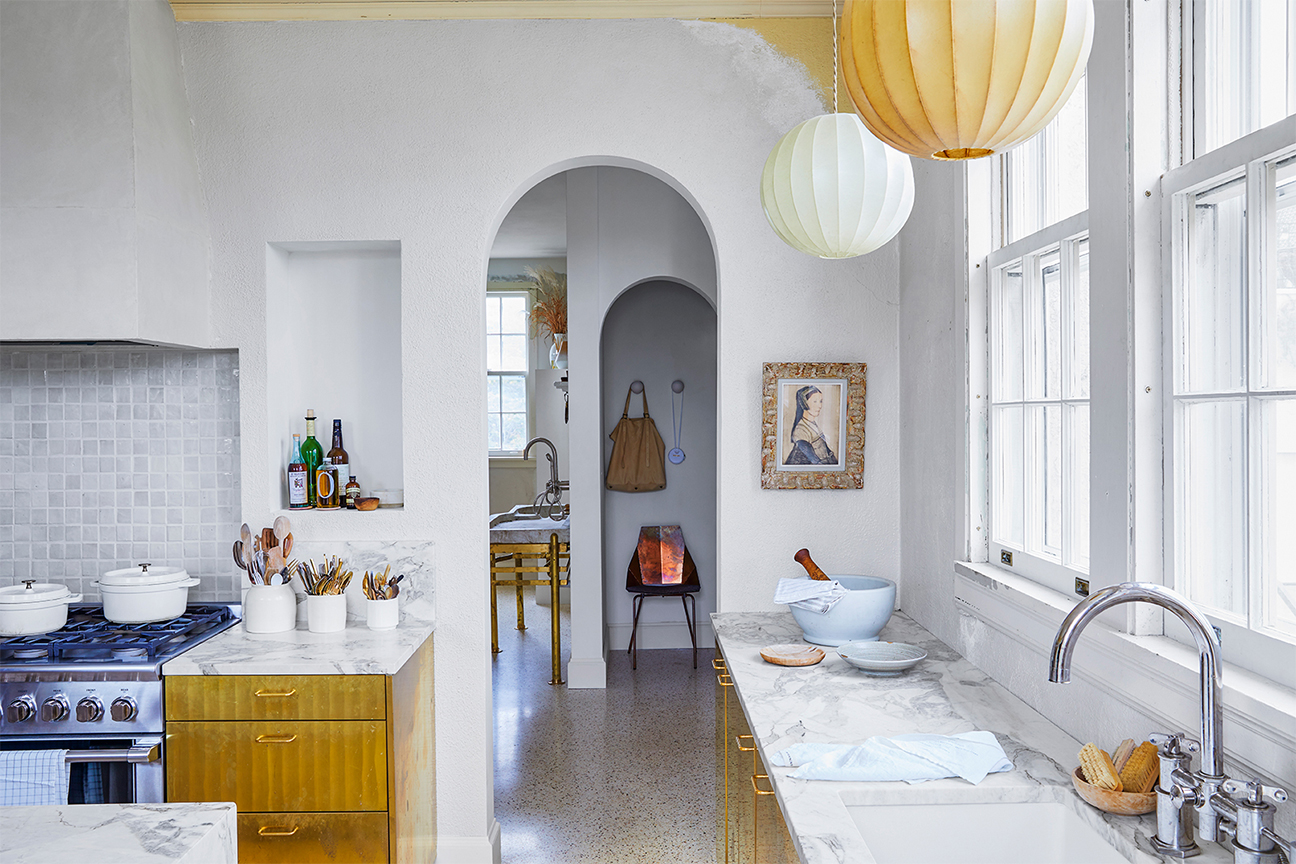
(507, 371)
(1038, 330)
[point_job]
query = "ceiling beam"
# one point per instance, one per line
(356, 10)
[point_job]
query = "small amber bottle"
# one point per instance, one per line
(352, 492)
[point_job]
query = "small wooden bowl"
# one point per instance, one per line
(1119, 803)
(792, 654)
(367, 504)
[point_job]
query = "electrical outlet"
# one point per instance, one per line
(1082, 587)
(1005, 557)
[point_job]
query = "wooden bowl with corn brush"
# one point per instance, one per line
(1124, 785)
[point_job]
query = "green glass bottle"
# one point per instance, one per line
(312, 454)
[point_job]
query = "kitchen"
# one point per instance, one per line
(422, 135)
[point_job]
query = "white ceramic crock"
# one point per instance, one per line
(269, 609)
(34, 608)
(326, 613)
(382, 614)
(144, 594)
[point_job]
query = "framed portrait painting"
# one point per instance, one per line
(812, 428)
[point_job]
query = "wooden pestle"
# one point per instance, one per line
(803, 558)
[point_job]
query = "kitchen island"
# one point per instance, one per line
(834, 703)
(120, 834)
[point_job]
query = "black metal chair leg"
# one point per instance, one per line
(633, 650)
(684, 598)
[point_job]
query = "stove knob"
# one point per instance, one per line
(123, 709)
(55, 708)
(20, 710)
(89, 710)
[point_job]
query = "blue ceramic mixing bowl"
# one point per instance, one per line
(857, 617)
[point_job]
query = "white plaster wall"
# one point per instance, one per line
(410, 131)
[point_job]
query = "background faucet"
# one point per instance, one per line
(552, 493)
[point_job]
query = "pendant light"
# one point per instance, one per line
(831, 189)
(961, 79)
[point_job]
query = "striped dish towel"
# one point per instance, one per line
(814, 595)
(33, 777)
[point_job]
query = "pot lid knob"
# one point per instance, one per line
(144, 567)
(29, 583)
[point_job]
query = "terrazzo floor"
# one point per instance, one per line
(625, 774)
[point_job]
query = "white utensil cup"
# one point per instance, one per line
(326, 613)
(269, 609)
(382, 614)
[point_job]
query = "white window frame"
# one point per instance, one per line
(516, 289)
(1245, 635)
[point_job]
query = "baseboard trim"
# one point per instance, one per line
(587, 673)
(470, 850)
(661, 634)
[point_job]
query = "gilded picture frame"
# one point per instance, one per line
(812, 425)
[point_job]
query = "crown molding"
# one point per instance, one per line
(369, 10)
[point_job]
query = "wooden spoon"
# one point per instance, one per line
(245, 534)
(286, 544)
(238, 555)
(282, 528)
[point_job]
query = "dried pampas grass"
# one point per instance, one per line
(549, 311)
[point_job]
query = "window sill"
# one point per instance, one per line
(504, 461)
(1154, 675)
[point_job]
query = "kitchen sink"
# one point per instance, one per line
(1016, 833)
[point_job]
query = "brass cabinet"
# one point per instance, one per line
(336, 768)
(750, 827)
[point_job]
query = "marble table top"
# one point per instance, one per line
(531, 531)
(120, 834)
(357, 650)
(835, 703)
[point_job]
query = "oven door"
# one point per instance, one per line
(104, 769)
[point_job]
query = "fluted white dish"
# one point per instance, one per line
(881, 658)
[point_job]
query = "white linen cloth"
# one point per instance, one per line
(912, 758)
(33, 777)
(815, 595)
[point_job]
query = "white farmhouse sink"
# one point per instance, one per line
(1018, 833)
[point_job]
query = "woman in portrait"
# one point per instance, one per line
(809, 447)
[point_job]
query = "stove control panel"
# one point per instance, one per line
(80, 707)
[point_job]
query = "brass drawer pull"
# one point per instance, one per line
(724, 680)
(266, 693)
(268, 831)
(718, 664)
(276, 739)
(756, 788)
(738, 739)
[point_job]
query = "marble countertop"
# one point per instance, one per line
(357, 650)
(121, 834)
(531, 531)
(835, 703)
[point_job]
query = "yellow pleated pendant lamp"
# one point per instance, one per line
(962, 79)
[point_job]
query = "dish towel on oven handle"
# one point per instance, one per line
(814, 595)
(33, 777)
(913, 758)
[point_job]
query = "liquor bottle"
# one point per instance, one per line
(338, 456)
(326, 491)
(298, 486)
(352, 492)
(312, 454)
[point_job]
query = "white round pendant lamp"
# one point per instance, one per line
(831, 189)
(962, 79)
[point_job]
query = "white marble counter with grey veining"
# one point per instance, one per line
(357, 650)
(833, 702)
(120, 834)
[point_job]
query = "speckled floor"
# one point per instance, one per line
(625, 774)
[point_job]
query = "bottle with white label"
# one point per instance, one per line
(298, 485)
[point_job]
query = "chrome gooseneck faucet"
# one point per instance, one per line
(1181, 791)
(553, 489)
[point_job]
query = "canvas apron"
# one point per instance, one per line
(638, 461)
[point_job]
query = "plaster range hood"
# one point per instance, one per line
(103, 225)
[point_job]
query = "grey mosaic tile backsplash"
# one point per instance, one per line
(111, 456)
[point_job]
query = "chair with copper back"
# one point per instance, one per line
(662, 567)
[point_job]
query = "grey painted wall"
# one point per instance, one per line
(658, 332)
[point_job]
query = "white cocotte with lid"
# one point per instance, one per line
(33, 608)
(144, 594)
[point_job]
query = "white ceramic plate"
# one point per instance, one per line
(881, 658)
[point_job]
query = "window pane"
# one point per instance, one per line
(493, 393)
(1212, 319)
(1210, 465)
(1044, 330)
(1244, 73)
(514, 431)
(1044, 484)
(1046, 178)
(1077, 431)
(513, 316)
(1024, 174)
(493, 353)
(513, 352)
(493, 432)
(1078, 385)
(1278, 306)
(1006, 476)
(514, 393)
(1007, 334)
(1071, 156)
(492, 313)
(1278, 511)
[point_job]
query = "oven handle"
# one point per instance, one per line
(146, 751)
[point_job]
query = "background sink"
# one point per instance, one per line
(1019, 833)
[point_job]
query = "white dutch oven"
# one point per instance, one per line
(34, 608)
(144, 594)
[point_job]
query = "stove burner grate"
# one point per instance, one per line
(88, 636)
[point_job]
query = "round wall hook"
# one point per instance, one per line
(677, 385)
(636, 386)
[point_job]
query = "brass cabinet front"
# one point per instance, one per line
(279, 766)
(276, 697)
(312, 838)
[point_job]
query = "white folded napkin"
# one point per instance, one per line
(912, 758)
(815, 595)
